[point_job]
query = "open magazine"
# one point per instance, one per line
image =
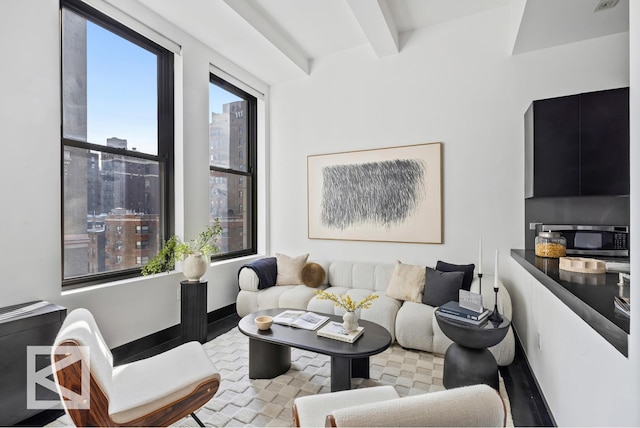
(300, 319)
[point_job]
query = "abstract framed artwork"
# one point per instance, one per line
(391, 194)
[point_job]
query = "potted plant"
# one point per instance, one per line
(195, 254)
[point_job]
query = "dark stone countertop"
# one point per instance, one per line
(590, 296)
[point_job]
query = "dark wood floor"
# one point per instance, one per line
(528, 407)
(527, 404)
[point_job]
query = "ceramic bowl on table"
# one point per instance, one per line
(264, 322)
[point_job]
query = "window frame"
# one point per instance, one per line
(252, 161)
(166, 131)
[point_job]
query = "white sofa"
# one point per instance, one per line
(412, 325)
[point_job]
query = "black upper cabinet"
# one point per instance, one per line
(578, 145)
(555, 147)
(604, 143)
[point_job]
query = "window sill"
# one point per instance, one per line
(175, 273)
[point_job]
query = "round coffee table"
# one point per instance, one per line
(468, 361)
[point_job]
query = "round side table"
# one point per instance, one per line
(468, 361)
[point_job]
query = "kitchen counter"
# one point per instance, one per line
(590, 296)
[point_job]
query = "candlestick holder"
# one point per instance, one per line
(480, 282)
(495, 315)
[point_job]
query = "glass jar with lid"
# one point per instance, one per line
(551, 244)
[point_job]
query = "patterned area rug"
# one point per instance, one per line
(241, 401)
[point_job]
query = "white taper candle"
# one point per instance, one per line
(495, 277)
(480, 258)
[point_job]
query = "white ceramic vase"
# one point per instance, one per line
(350, 321)
(195, 266)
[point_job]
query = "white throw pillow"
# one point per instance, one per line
(407, 282)
(289, 269)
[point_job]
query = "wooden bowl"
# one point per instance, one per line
(264, 322)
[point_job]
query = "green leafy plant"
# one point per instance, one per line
(174, 249)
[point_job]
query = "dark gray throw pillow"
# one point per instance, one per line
(441, 287)
(467, 269)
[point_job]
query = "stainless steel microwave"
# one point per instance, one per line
(612, 241)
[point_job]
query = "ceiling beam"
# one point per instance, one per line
(271, 32)
(374, 17)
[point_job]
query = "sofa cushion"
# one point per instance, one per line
(371, 276)
(407, 282)
(297, 297)
(289, 269)
(467, 269)
(313, 275)
(441, 287)
(414, 326)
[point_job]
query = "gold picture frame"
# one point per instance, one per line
(390, 194)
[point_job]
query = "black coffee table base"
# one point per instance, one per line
(268, 360)
(468, 366)
(343, 369)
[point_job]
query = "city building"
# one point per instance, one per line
(130, 239)
(228, 195)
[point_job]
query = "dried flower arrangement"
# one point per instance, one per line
(344, 300)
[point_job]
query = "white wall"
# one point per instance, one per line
(455, 83)
(444, 86)
(30, 259)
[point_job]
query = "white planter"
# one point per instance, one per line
(195, 266)
(350, 321)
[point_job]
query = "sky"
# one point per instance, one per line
(122, 91)
(218, 97)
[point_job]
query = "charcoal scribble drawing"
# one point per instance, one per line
(384, 193)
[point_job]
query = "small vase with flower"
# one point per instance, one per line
(350, 318)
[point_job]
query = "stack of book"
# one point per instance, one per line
(453, 310)
(622, 305)
(334, 330)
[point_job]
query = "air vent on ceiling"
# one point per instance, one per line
(605, 4)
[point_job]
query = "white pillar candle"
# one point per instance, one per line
(480, 258)
(495, 277)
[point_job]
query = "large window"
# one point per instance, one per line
(116, 146)
(232, 159)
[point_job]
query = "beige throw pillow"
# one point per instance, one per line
(407, 282)
(289, 269)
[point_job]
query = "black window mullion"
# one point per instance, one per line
(166, 136)
(230, 171)
(253, 162)
(113, 150)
